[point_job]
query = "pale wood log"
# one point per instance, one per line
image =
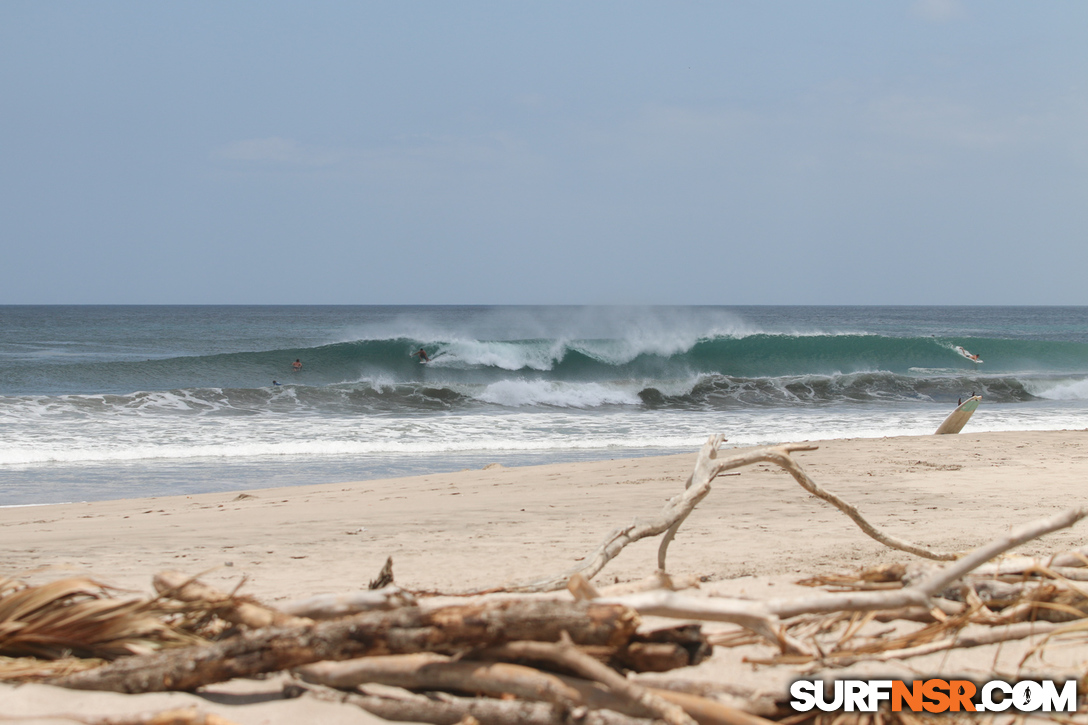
(184, 588)
(434, 672)
(581, 588)
(709, 712)
(449, 710)
(753, 615)
(753, 701)
(1077, 558)
(566, 655)
(331, 606)
(920, 614)
(1055, 572)
(183, 716)
(429, 672)
(409, 629)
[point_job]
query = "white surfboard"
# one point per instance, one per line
(958, 418)
(969, 356)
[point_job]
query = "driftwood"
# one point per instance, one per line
(184, 716)
(1024, 564)
(1008, 633)
(566, 655)
(707, 467)
(430, 672)
(385, 576)
(487, 647)
(179, 586)
(331, 606)
(764, 617)
(408, 629)
(433, 672)
(744, 699)
(443, 709)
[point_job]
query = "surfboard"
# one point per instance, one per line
(969, 356)
(958, 418)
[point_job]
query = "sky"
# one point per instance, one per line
(721, 153)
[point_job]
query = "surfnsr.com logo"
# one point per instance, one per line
(935, 695)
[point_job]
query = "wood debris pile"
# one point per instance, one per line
(498, 658)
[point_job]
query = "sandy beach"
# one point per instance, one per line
(756, 533)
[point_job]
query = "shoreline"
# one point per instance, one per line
(456, 531)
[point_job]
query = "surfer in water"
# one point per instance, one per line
(422, 355)
(296, 365)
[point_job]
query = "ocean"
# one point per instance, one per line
(101, 402)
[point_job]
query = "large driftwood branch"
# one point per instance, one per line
(446, 630)
(1021, 564)
(753, 615)
(448, 710)
(426, 672)
(780, 456)
(566, 655)
(429, 672)
(763, 617)
(707, 467)
(746, 699)
(184, 716)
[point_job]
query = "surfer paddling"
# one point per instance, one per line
(964, 353)
(422, 355)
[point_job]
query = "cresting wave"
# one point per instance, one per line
(898, 365)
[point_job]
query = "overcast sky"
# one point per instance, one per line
(898, 152)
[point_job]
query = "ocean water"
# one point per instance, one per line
(101, 402)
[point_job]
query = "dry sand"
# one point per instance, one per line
(755, 534)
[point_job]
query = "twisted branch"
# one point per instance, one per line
(708, 467)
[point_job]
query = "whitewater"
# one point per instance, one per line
(118, 401)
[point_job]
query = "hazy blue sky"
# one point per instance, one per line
(896, 152)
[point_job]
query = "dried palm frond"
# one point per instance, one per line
(885, 576)
(32, 669)
(80, 616)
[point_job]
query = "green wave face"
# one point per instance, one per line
(718, 372)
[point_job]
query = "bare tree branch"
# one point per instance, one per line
(708, 466)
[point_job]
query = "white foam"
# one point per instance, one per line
(516, 393)
(1058, 390)
(502, 355)
(523, 415)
